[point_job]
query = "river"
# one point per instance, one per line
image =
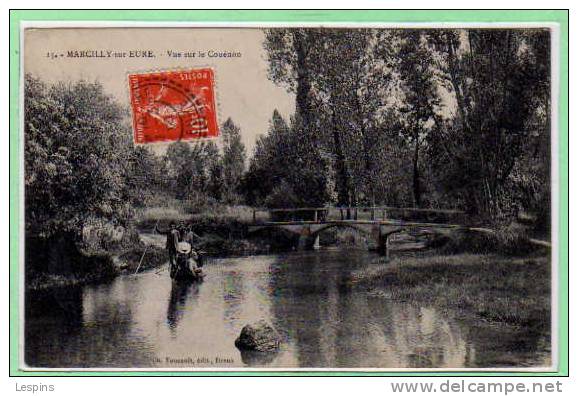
(144, 320)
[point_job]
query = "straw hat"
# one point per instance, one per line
(184, 247)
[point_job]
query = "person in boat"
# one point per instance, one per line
(192, 238)
(187, 267)
(173, 236)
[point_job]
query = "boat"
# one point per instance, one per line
(186, 268)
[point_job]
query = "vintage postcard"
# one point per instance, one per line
(330, 197)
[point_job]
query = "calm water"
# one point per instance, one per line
(145, 321)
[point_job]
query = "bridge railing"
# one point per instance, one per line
(369, 213)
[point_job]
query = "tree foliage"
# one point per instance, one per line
(497, 78)
(202, 173)
(450, 118)
(233, 160)
(282, 172)
(420, 104)
(455, 118)
(81, 164)
(76, 148)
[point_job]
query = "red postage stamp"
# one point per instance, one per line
(173, 105)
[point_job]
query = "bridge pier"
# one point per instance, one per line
(302, 243)
(316, 245)
(308, 242)
(383, 245)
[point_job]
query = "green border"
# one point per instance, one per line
(391, 16)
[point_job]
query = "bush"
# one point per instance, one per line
(61, 261)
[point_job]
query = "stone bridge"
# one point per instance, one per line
(378, 229)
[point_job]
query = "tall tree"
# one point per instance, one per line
(293, 60)
(340, 76)
(214, 167)
(233, 159)
(494, 76)
(421, 100)
(269, 164)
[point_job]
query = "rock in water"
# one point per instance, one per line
(260, 336)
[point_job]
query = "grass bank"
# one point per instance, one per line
(493, 288)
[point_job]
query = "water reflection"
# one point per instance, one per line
(332, 327)
(258, 359)
(179, 301)
(57, 312)
(233, 294)
(418, 337)
(146, 320)
(81, 328)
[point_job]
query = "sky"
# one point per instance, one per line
(243, 90)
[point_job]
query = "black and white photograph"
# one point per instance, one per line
(289, 197)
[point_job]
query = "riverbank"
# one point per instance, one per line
(486, 289)
(511, 290)
(64, 262)
(100, 267)
(224, 232)
(223, 229)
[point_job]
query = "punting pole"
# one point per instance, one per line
(146, 249)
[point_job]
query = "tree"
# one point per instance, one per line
(145, 175)
(494, 76)
(181, 170)
(269, 165)
(293, 57)
(233, 160)
(309, 176)
(420, 105)
(354, 78)
(340, 76)
(282, 173)
(195, 171)
(214, 167)
(76, 146)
